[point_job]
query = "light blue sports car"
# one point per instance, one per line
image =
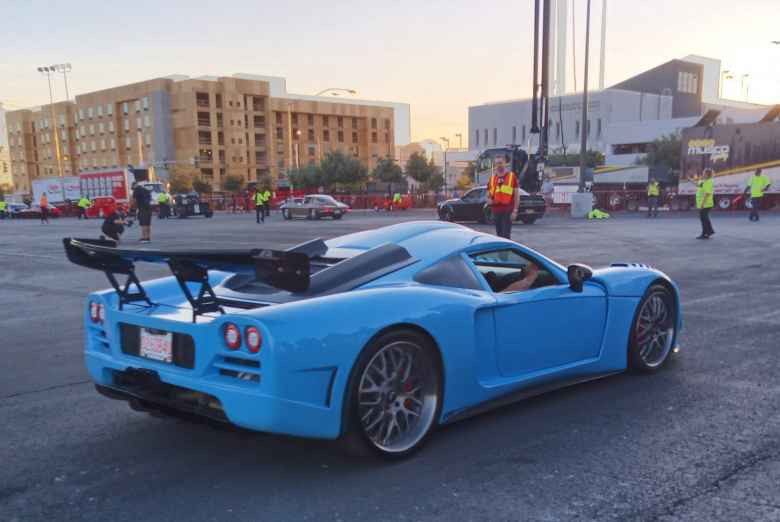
(375, 338)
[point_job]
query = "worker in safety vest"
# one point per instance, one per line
(757, 185)
(704, 202)
(259, 198)
(44, 204)
(3, 205)
(396, 200)
(266, 202)
(83, 204)
(163, 204)
(653, 194)
(503, 196)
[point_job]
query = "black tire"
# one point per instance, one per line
(446, 214)
(356, 438)
(209, 214)
(528, 220)
(640, 338)
(338, 216)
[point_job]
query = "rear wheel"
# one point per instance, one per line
(446, 214)
(653, 331)
(528, 220)
(394, 396)
(724, 202)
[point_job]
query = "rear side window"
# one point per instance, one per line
(453, 272)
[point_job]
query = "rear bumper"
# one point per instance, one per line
(173, 391)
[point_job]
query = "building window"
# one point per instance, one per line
(325, 135)
(101, 128)
(81, 117)
(310, 119)
(354, 137)
(219, 120)
(557, 129)
(484, 137)
(102, 144)
(218, 100)
(495, 135)
(387, 137)
(138, 122)
(341, 136)
(373, 137)
(324, 121)
(278, 118)
(514, 134)
(588, 129)
(202, 99)
(110, 126)
(90, 112)
(146, 103)
(230, 103)
(109, 109)
(687, 82)
(295, 118)
(476, 138)
(340, 122)
(113, 144)
(204, 119)
(354, 123)
(310, 135)
(91, 129)
(598, 127)
(279, 133)
(577, 128)
(99, 110)
(137, 105)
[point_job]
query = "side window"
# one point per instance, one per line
(452, 271)
(504, 267)
(471, 195)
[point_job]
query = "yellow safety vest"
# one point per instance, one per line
(502, 191)
(2, 206)
(162, 198)
(653, 189)
(757, 185)
(708, 201)
(84, 203)
(259, 198)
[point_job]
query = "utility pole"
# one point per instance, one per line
(64, 68)
(602, 61)
(584, 126)
(460, 141)
(47, 71)
(447, 146)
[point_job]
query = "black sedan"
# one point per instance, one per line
(472, 207)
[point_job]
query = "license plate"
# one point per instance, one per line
(196, 209)
(156, 346)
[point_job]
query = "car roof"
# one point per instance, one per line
(422, 239)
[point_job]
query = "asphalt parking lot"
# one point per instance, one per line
(698, 441)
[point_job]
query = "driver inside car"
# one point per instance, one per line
(523, 279)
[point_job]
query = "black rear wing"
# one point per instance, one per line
(288, 270)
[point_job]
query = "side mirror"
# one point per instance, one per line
(578, 274)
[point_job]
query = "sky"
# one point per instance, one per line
(440, 56)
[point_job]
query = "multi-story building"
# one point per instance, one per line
(41, 143)
(6, 180)
(243, 125)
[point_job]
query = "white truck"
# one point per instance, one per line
(58, 190)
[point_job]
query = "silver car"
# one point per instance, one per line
(315, 206)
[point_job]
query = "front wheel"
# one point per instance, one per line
(394, 396)
(528, 220)
(653, 331)
(446, 214)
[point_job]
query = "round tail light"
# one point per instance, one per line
(253, 339)
(101, 313)
(232, 336)
(94, 312)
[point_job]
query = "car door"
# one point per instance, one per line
(547, 327)
(299, 209)
(465, 210)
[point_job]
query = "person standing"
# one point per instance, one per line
(142, 201)
(267, 202)
(653, 193)
(503, 196)
(44, 204)
(83, 204)
(705, 202)
(2, 209)
(757, 185)
(259, 206)
(163, 204)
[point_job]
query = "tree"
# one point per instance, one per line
(388, 171)
(179, 183)
(338, 169)
(233, 183)
(417, 168)
(593, 158)
(664, 152)
(307, 177)
(470, 171)
(201, 186)
(464, 181)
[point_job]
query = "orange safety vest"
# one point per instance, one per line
(502, 193)
(44, 202)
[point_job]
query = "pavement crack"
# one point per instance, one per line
(49, 388)
(750, 461)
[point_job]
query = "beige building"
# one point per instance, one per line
(42, 143)
(210, 127)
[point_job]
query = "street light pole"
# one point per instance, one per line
(447, 146)
(460, 141)
(64, 68)
(47, 71)
(584, 126)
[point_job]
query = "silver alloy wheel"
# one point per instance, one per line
(654, 330)
(398, 396)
